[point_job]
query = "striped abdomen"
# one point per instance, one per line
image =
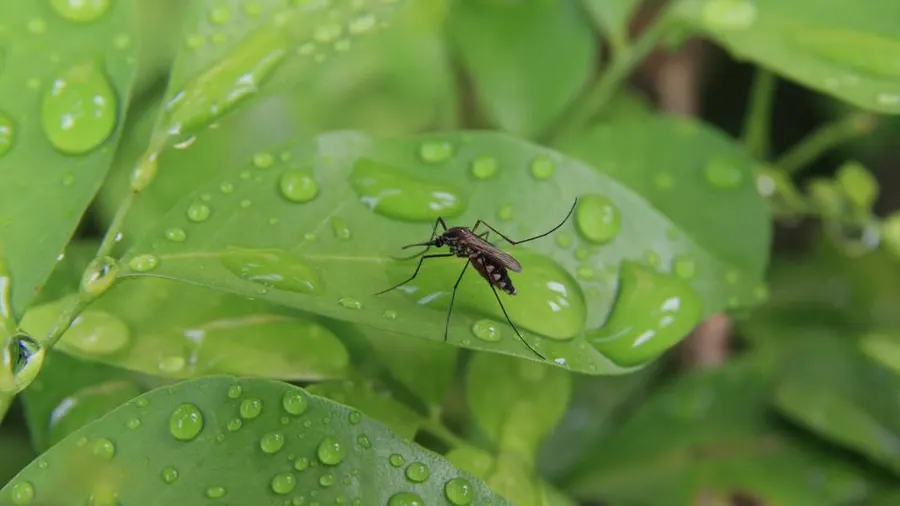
(493, 272)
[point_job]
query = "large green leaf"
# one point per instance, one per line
(378, 405)
(296, 226)
(712, 433)
(844, 49)
(67, 72)
(527, 60)
(612, 17)
(224, 440)
(16, 451)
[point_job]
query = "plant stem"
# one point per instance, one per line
(109, 239)
(824, 138)
(759, 114)
(438, 430)
(585, 107)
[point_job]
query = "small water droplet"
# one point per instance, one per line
(684, 267)
(186, 422)
(363, 441)
(263, 160)
(487, 330)
(396, 460)
(215, 492)
(246, 203)
(417, 472)
(169, 475)
(436, 151)
(273, 269)
(96, 333)
(283, 483)
(728, 14)
(176, 234)
(298, 186)
(585, 272)
(79, 111)
(103, 448)
(294, 402)
(133, 423)
(331, 451)
(723, 174)
(326, 480)
(272, 442)
(597, 218)
(250, 408)
(459, 492)
(143, 263)
(22, 493)
(7, 134)
(80, 11)
(301, 463)
(354, 417)
(563, 240)
(405, 499)
(194, 41)
(361, 24)
(351, 303)
(235, 391)
(542, 168)
(484, 166)
(99, 275)
(339, 228)
(234, 425)
(198, 212)
(389, 314)
(220, 14)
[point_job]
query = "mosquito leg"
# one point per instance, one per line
(513, 325)
(452, 297)
(419, 266)
(507, 239)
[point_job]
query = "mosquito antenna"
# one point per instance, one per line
(507, 239)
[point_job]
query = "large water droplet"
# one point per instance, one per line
(435, 151)
(597, 218)
(487, 330)
(284, 483)
(728, 14)
(22, 358)
(392, 193)
(405, 499)
(652, 312)
(22, 493)
(272, 442)
(459, 492)
(80, 109)
(298, 186)
(250, 408)
(542, 168)
(274, 269)
(294, 402)
(484, 166)
(143, 263)
(723, 174)
(95, 333)
(7, 132)
(417, 472)
(99, 275)
(331, 451)
(80, 11)
(186, 422)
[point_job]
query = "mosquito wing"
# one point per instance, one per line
(494, 253)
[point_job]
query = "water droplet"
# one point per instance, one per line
(484, 166)
(684, 267)
(263, 160)
(417, 472)
(143, 263)
(389, 314)
(542, 168)
(6, 134)
(186, 422)
(505, 213)
(326, 480)
(301, 464)
(396, 460)
(598, 219)
(37, 26)
(331, 451)
(235, 391)
(169, 475)
(198, 212)
(405, 499)
(194, 41)
(459, 492)
(487, 330)
(354, 417)
(95, 333)
(283, 483)
(234, 425)
(273, 269)
(176, 234)
(327, 33)
(220, 14)
(272, 442)
(294, 402)
(723, 174)
(80, 11)
(22, 493)
(103, 448)
(215, 492)
(363, 441)
(585, 272)
(298, 186)
(350, 303)
(563, 240)
(246, 203)
(728, 14)
(436, 152)
(133, 423)
(652, 258)
(250, 408)
(395, 194)
(79, 110)
(652, 312)
(339, 228)
(361, 24)
(99, 275)
(887, 98)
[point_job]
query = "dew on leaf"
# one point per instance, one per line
(263, 160)
(396, 460)
(80, 11)
(298, 186)
(484, 166)
(176, 234)
(354, 417)
(271, 442)
(435, 151)
(234, 391)
(234, 425)
(301, 464)
(96, 333)
(143, 263)
(389, 314)
(250, 408)
(198, 212)
(390, 192)
(274, 269)
(99, 275)
(417, 472)
(340, 229)
(103, 448)
(283, 483)
(79, 111)
(22, 493)
(326, 480)
(723, 174)
(186, 422)
(133, 423)
(361, 24)
(215, 492)
(169, 474)
(350, 303)
(364, 441)
(459, 492)
(331, 451)
(597, 218)
(585, 272)
(294, 402)
(542, 168)
(7, 134)
(405, 499)
(487, 330)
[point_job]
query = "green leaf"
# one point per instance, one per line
(247, 441)
(527, 60)
(817, 43)
(883, 347)
(837, 392)
(379, 405)
(70, 393)
(516, 403)
(712, 432)
(298, 231)
(167, 328)
(612, 16)
(61, 115)
(16, 451)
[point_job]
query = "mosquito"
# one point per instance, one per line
(490, 261)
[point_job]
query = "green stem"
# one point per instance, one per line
(585, 107)
(825, 138)
(759, 114)
(438, 430)
(109, 239)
